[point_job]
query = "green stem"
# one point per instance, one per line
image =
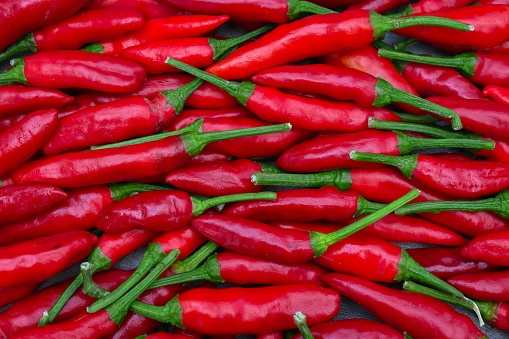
(300, 320)
(498, 205)
(320, 241)
(152, 257)
(406, 163)
(25, 44)
(382, 24)
(366, 207)
(15, 74)
(407, 144)
(418, 119)
(298, 7)
(221, 47)
(120, 191)
(89, 286)
(200, 206)
(177, 97)
(195, 259)
(118, 310)
(464, 62)
(94, 47)
(387, 94)
(339, 178)
(404, 44)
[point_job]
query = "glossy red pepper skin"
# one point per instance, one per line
(36, 260)
(492, 286)
(418, 315)
(379, 6)
(11, 294)
(150, 9)
(17, 99)
(490, 22)
(205, 157)
(446, 263)
(490, 248)
(188, 116)
(497, 93)
(35, 14)
(25, 313)
(19, 142)
(19, 202)
(431, 6)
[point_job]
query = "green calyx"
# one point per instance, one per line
(406, 163)
(25, 44)
(296, 8)
(94, 48)
(200, 206)
(177, 97)
(340, 179)
(15, 74)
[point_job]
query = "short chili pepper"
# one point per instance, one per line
(271, 104)
(484, 286)
(20, 202)
(497, 93)
(279, 11)
(314, 36)
(418, 315)
(77, 69)
(150, 9)
(495, 313)
(447, 262)
(379, 6)
(489, 248)
(431, 6)
(78, 212)
(78, 30)
(11, 294)
(129, 162)
(450, 177)
(173, 27)
(19, 19)
(36, 260)
(284, 246)
(17, 99)
(345, 84)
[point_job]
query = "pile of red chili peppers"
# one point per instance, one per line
(267, 185)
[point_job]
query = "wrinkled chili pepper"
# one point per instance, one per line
(78, 30)
(497, 93)
(418, 315)
(77, 69)
(484, 286)
(17, 99)
(489, 248)
(11, 294)
(174, 27)
(150, 9)
(313, 36)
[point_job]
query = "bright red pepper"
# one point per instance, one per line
(11, 294)
(205, 157)
(492, 286)
(150, 9)
(19, 142)
(77, 69)
(418, 315)
(379, 6)
(17, 99)
(158, 29)
(188, 116)
(431, 6)
(490, 248)
(497, 93)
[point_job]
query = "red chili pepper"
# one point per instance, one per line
(128, 162)
(150, 9)
(17, 99)
(492, 2)
(497, 93)
(205, 157)
(490, 248)
(78, 30)
(77, 69)
(418, 315)
(310, 37)
(194, 335)
(181, 26)
(19, 19)
(11, 294)
(20, 202)
(379, 6)
(188, 116)
(36, 260)
(492, 286)
(447, 262)
(19, 142)
(432, 6)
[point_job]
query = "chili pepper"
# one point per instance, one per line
(194, 335)
(199, 52)
(19, 19)
(11, 294)
(447, 176)
(344, 84)
(129, 162)
(17, 99)
(188, 116)
(490, 24)
(150, 9)
(313, 36)
(490, 248)
(19, 142)
(19, 202)
(78, 212)
(205, 157)
(492, 2)
(284, 246)
(334, 3)
(484, 286)
(497, 93)
(78, 30)
(496, 314)
(418, 315)
(181, 26)
(36, 260)
(379, 6)
(271, 104)
(278, 12)
(163, 335)
(432, 6)
(77, 69)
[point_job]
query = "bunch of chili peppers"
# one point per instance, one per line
(134, 131)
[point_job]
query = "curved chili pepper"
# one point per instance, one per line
(447, 262)
(313, 36)
(418, 315)
(271, 104)
(279, 11)
(20, 202)
(497, 93)
(78, 30)
(77, 69)
(490, 248)
(19, 19)
(379, 6)
(150, 9)
(36, 260)
(181, 26)
(431, 6)
(484, 286)
(17, 99)
(128, 162)
(19, 142)
(11, 294)
(344, 84)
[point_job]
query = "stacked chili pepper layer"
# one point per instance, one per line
(113, 146)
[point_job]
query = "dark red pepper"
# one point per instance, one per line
(490, 248)
(11, 294)
(164, 335)
(17, 99)
(150, 9)
(205, 157)
(497, 93)
(492, 286)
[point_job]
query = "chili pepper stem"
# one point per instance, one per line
(340, 179)
(177, 97)
(386, 94)
(89, 286)
(25, 44)
(300, 320)
(195, 259)
(366, 207)
(200, 206)
(418, 119)
(171, 312)
(120, 191)
(15, 74)
(406, 163)
(407, 143)
(298, 7)
(320, 241)
(404, 44)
